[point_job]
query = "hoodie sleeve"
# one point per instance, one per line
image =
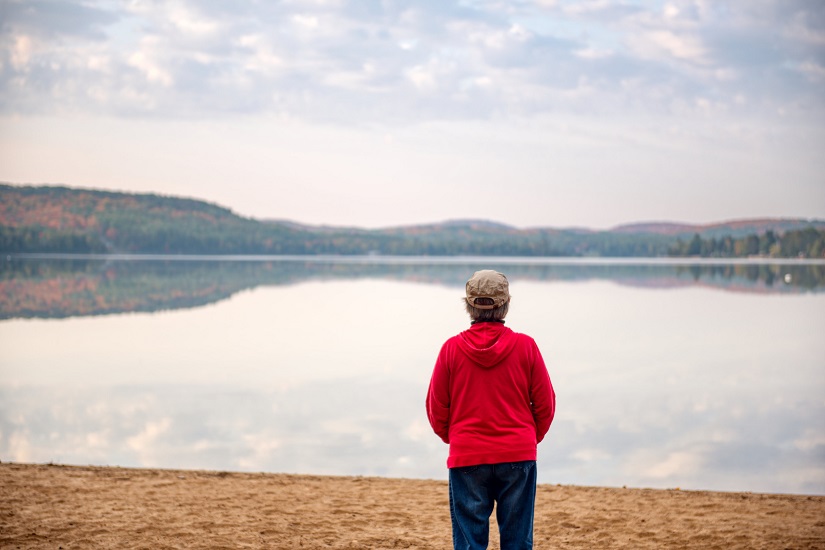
(438, 397)
(542, 396)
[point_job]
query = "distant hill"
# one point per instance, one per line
(62, 219)
(659, 228)
(69, 220)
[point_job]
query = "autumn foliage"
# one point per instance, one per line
(82, 221)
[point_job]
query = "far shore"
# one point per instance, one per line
(416, 259)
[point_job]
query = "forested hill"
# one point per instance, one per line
(68, 220)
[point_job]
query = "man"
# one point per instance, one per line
(491, 400)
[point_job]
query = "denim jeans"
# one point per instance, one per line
(474, 489)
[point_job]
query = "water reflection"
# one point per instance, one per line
(243, 429)
(57, 288)
(321, 367)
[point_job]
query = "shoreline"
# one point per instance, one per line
(422, 259)
(52, 506)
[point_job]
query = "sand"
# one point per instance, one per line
(70, 507)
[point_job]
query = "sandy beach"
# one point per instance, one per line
(68, 507)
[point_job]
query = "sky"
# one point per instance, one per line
(376, 113)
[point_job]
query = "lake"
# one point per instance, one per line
(690, 374)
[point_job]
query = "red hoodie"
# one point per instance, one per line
(490, 396)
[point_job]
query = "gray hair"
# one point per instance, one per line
(495, 314)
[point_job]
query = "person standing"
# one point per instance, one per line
(490, 398)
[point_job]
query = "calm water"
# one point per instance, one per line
(707, 376)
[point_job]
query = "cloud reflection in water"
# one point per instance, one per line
(687, 387)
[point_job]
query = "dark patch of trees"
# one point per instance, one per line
(799, 243)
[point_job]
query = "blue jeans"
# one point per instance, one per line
(474, 489)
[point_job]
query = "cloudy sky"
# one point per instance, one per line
(375, 113)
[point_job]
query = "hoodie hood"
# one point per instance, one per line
(487, 344)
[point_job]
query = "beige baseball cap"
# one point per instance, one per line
(488, 284)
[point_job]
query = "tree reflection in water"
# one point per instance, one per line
(70, 287)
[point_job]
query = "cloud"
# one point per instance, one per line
(151, 431)
(353, 63)
(813, 70)
(56, 20)
(146, 60)
(681, 462)
(308, 21)
(18, 446)
(21, 52)
(666, 44)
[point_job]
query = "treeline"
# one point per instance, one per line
(79, 221)
(800, 243)
(60, 219)
(136, 234)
